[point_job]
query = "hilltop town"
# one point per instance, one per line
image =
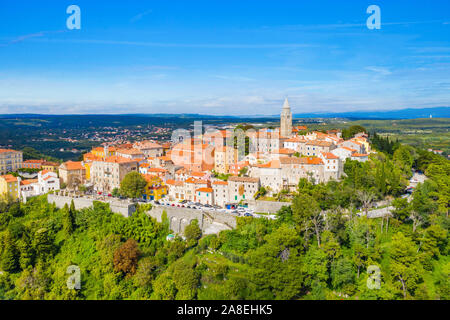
(217, 168)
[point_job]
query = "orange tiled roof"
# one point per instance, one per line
(359, 154)
(7, 150)
(49, 163)
(295, 160)
(355, 142)
(329, 155)
(196, 181)
(243, 179)
(130, 151)
(118, 159)
(197, 174)
(156, 170)
(73, 165)
(274, 164)
(319, 143)
(220, 182)
(312, 160)
(295, 139)
(34, 161)
(147, 145)
(174, 182)
(284, 151)
(28, 182)
(208, 190)
(150, 177)
(9, 178)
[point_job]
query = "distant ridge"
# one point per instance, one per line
(437, 112)
(411, 113)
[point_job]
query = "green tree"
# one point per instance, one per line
(15, 210)
(69, 218)
(164, 288)
(434, 240)
(306, 214)
(42, 243)
(10, 255)
(405, 266)
(342, 274)
(186, 280)
(133, 185)
(350, 132)
(316, 266)
(402, 209)
(192, 232)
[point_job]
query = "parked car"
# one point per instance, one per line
(248, 214)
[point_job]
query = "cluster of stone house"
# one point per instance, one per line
(277, 159)
(186, 168)
(214, 192)
(14, 188)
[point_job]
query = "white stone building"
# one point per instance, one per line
(242, 188)
(221, 192)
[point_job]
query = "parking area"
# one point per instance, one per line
(239, 212)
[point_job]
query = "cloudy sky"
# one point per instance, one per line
(222, 57)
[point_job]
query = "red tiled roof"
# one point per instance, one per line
(118, 159)
(196, 181)
(174, 182)
(73, 165)
(7, 150)
(329, 155)
(28, 182)
(220, 182)
(9, 178)
(157, 170)
(208, 190)
(274, 164)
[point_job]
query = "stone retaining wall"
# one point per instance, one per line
(179, 218)
(124, 208)
(267, 206)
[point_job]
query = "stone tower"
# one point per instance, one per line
(286, 120)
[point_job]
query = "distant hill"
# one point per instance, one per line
(438, 112)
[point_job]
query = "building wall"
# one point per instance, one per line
(221, 194)
(10, 161)
(106, 176)
(10, 189)
(242, 190)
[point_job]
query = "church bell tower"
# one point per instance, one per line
(286, 120)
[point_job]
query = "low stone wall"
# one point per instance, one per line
(124, 208)
(267, 206)
(179, 218)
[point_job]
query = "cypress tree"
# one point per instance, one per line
(9, 261)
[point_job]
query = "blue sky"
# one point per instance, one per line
(222, 57)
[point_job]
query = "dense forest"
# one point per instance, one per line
(321, 247)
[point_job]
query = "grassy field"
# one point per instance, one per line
(422, 133)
